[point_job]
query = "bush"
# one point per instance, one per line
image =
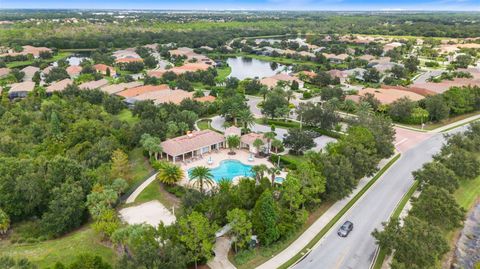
(244, 256)
(176, 190)
(432, 64)
(307, 95)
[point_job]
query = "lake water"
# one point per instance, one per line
(243, 68)
(75, 59)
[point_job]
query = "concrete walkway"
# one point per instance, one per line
(140, 188)
(297, 246)
(220, 261)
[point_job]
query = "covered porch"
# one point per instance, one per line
(192, 146)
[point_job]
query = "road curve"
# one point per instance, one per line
(357, 251)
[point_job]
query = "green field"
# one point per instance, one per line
(222, 73)
(47, 253)
(204, 124)
(127, 116)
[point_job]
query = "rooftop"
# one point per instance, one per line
(191, 142)
(59, 85)
(136, 91)
(26, 86)
(93, 84)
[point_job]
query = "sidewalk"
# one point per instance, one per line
(316, 227)
(220, 261)
(140, 188)
(442, 128)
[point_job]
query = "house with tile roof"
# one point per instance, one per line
(74, 70)
(102, 69)
(196, 143)
(29, 72)
(91, 85)
(21, 89)
(4, 71)
(59, 85)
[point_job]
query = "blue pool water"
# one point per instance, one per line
(229, 169)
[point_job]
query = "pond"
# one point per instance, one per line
(243, 67)
(75, 59)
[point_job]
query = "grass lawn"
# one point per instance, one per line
(47, 253)
(466, 196)
(140, 168)
(432, 126)
(279, 123)
(204, 124)
(55, 58)
(156, 191)
(468, 193)
(127, 116)
(222, 73)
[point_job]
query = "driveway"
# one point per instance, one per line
(358, 249)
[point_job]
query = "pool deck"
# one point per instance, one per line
(217, 157)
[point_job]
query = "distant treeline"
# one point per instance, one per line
(215, 29)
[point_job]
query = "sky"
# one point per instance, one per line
(443, 5)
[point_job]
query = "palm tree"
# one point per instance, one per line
(263, 91)
(273, 171)
(290, 95)
(169, 173)
(233, 141)
(269, 136)
(200, 176)
(277, 144)
(247, 118)
(259, 172)
(258, 143)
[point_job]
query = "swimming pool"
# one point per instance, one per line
(229, 169)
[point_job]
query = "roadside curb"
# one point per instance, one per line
(398, 210)
(350, 204)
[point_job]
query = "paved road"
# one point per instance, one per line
(358, 249)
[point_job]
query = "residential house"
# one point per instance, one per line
(115, 88)
(136, 91)
(272, 81)
(96, 84)
(128, 60)
(336, 58)
(34, 51)
(20, 90)
(29, 72)
(102, 69)
(74, 71)
(4, 72)
(340, 74)
(387, 96)
(59, 85)
(391, 46)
